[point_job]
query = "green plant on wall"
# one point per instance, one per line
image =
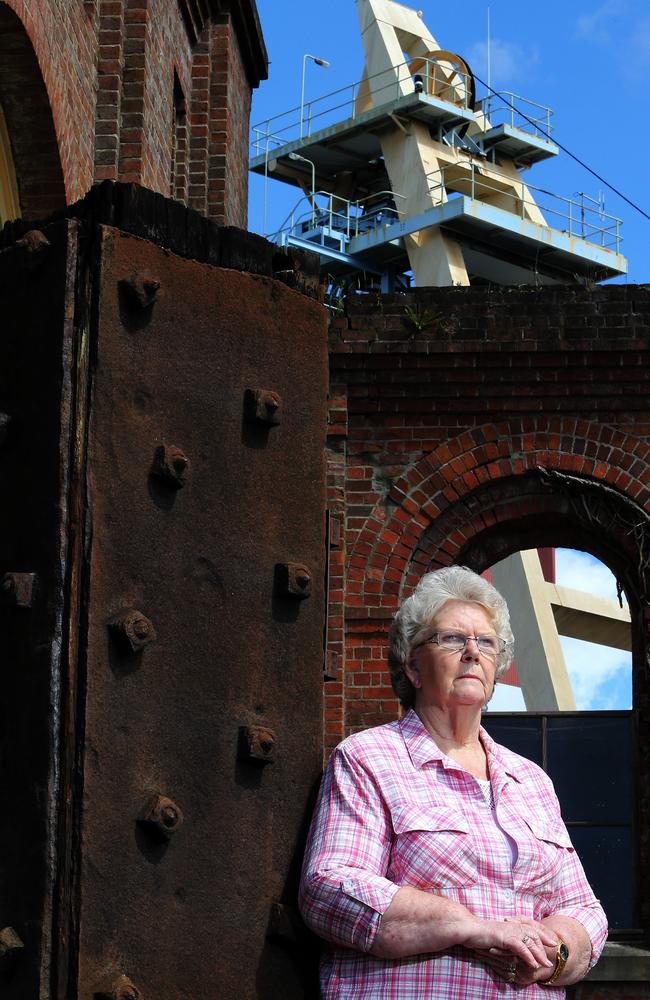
(422, 318)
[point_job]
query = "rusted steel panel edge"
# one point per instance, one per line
(67, 757)
(187, 233)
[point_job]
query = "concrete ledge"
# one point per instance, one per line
(621, 963)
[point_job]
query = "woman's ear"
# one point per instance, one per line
(412, 671)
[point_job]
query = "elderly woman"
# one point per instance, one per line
(438, 865)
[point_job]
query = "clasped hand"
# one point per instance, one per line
(519, 949)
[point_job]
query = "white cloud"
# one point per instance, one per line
(582, 571)
(509, 61)
(596, 25)
(507, 698)
(601, 677)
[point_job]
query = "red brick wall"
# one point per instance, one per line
(167, 48)
(106, 71)
(230, 106)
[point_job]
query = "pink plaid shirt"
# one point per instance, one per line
(394, 810)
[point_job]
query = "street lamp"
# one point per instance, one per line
(319, 62)
(297, 156)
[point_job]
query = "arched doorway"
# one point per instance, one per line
(30, 164)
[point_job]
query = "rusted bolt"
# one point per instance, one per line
(161, 817)
(141, 290)
(19, 589)
(133, 630)
(10, 946)
(171, 465)
(32, 247)
(292, 580)
(5, 420)
(120, 989)
(256, 744)
(263, 406)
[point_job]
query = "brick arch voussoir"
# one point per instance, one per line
(539, 510)
(489, 454)
(26, 84)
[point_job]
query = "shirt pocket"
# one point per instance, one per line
(432, 848)
(548, 846)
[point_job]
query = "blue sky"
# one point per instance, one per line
(589, 62)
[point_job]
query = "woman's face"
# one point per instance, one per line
(443, 677)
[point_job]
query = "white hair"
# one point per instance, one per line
(453, 583)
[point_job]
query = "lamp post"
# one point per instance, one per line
(319, 62)
(298, 156)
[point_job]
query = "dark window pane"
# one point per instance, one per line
(607, 856)
(589, 763)
(521, 733)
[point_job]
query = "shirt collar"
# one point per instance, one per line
(421, 746)
(423, 749)
(500, 759)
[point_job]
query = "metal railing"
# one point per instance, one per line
(434, 78)
(438, 79)
(323, 216)
(584, 219)
(506, 108)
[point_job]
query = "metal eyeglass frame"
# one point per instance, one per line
(435, 638)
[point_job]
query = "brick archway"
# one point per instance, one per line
(30, 123)
(440, 509)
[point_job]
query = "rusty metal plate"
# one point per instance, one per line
(190, 917)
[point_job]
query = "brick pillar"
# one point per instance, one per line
(109, 91)
(199, 118)
(131, 146)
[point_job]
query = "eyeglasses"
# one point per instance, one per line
(489, 645)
